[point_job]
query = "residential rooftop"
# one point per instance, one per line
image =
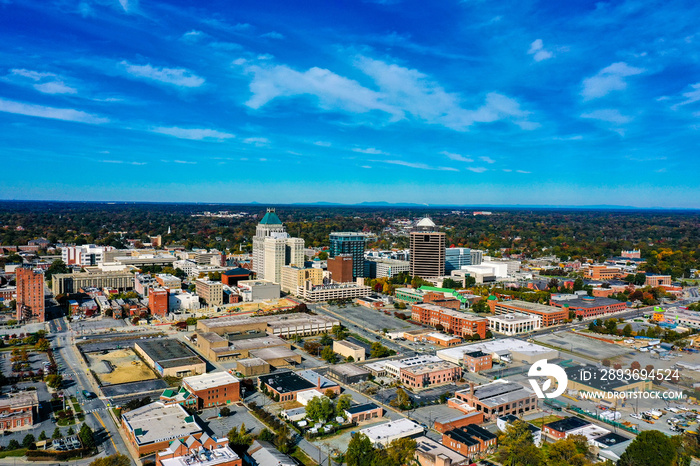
(212, 380)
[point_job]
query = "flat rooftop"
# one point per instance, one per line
(349, 344)
(156, 422)
(274, 352)
(535, 307)
(567, 424)
(212, 380)
(348, 369)
(270, 321)
(168, 352)
(361, 408)
(203, 457)
(430, 367)
(252, 362)
(317, 379)
(286, 382)
(450, 312)
(433, 448)
(500, 392)
(390, 430)
(499, 346)
(19, 400)
(512, 317)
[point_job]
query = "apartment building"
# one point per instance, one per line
(426, 375)
(30, 294)
(213, 389)
(464, 324)
(499, 398)
(550, 315)
(210, 291)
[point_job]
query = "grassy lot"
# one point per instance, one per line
(13, 453)
(540, 421)
(303, 458)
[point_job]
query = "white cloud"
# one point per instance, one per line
(333, 91)
(421, 166)
(610, 78)
(85, 10)
(402, 92)
(196, 134)
(322, 143)
(538, 51)
(257, 141)
(365, 166)
(129, 5)
(456, 157)
(192, 36)
(576, 137)
(477, 169)
(40, 111)
(487, 159)
(55, 87)
(690, 97)
(369, 150)
(184, 162)
(523, 171)
(507, 170)
(175, 76)
(265, 56)
(610, 115)
(273, 35)
(123, 162)
(33, 75)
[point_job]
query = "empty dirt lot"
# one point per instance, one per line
(125, 367)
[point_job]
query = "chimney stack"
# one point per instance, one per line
(471, 388)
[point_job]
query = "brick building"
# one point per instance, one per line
(215, 389)
(426, 375)
(202, 451)
(30, 294)
(363, 412)
(560, 429)
(470, 440)
(153, 427)
(233, 276)
(476, 361)
(589, 306)
(340, 268)
(464, 324)
(18, 410)
(158, 301)
(499, 398)
(550, 315)
(286, 385)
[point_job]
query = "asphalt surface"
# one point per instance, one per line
(77, 379)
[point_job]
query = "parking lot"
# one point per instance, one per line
(582, 345)
(97, 325)
(36, 361)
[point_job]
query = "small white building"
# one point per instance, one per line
(515, 323)
(384, 434)
(308, 395)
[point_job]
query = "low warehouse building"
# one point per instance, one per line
(384, 434)
(348, 349)
(169, 357)
(349, 373)
(251, 367)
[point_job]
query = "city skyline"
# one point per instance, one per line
(461, 103)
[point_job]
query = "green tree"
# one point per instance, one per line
(568, 452)
(320, 408)
(377, 350)
(266, 435)
(650, 448)
(400, 451)
(225, 411)
(57, 266)
(42, 435)
(71, 431)
(627, 330)
(56, 433)
(339, 332)
(87, 436)
(112, 460)
(54, 380)
(328, 355)
(343, 403)
(42, 345)
(481, 306)
(28, 440)
(13, 445)
(578, 284)
(402, 400)
(239, 439)
(516, 446)
(360, 451)
(325, 340)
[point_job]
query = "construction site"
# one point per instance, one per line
(117, 366)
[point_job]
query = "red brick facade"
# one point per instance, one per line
(30, 294)
(457, 323)
(158, 302)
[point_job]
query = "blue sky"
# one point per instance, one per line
(470, 102)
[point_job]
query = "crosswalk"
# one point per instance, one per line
(94, 410)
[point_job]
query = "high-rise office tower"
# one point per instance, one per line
(351, 244)
(455, 258)
(427, 250)
(269, 224)
(30, 294)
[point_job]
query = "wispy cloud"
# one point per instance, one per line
(402, 93)
(487, 159)
(123, 162)
(607, 80)
(196, 134)
(523, 171)
(456, 157)
(44, 82)
(322, 143)
(610, 115)
(179, 77)
(129, 5)
(40, 111)
(369, 150)
(55, 87)
(538, 51)
(576, 137)
(421, 166)
(273, 35)
(690, 97)
(192, 36)
(477, 169)
(181, 162)
(257, 141)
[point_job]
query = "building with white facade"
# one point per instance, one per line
(87, 254)
(514, 324)
(393, 368)
(182, 301)
(380, 268)
(269, 224)
(316, 293)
